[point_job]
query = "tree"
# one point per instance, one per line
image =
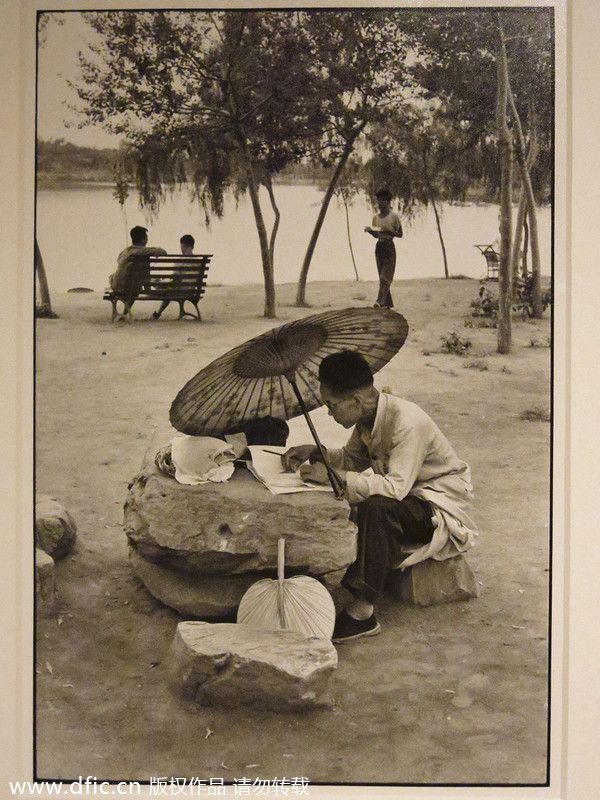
(361, 58)
(506, 158)
(529, 37)
(512, 67)
(217, 101)
(424, 158)
(44, 308)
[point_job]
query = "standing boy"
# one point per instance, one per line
(386, 227)
(410, 494)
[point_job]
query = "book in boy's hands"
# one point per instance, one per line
(266, 466)
(376, 230)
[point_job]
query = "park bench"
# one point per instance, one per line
(492, 259)
(177, 278)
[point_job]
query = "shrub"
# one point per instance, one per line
(485, 304)
(536, 414)
(477, 363)
(524, 296)
(455, 343)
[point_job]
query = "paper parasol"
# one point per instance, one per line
(276, 374)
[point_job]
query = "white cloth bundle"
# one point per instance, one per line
(200, 459)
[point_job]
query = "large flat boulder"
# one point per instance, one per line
(227, 664)
(232, 528)
(204, 597)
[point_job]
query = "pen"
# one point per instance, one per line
(272, 452)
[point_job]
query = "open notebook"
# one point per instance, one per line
(266, 467)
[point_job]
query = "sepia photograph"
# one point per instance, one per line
(298, 325)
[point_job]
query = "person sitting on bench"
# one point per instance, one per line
(410, 494)
(130, 276)
(186, 243)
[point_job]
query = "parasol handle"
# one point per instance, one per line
(335, 480)
(280, 577)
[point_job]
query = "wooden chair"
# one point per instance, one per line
(492, 259)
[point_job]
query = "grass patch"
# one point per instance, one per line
(537, 343)
(477, 363)
(536, 414)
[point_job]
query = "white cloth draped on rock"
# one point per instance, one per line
(200, 459)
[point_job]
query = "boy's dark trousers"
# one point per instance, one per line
(385, 256)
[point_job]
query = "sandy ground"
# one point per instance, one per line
(445, 695)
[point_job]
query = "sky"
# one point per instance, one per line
(58, 63)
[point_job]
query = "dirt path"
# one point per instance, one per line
(451, 694)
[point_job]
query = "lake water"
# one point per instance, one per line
(81, 230)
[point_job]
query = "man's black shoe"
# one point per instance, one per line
(347, 628)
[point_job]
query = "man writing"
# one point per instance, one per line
(411, 495)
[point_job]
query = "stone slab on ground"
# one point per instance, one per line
(45, 586)
(433, 582)
(55, 529)
(227, 664)
(233, 527)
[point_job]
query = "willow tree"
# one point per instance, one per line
(425, 157)
(360, 58)
(215, 101)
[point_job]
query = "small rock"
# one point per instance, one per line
(433, 582)
(55, 529)
(226, 664)
(45, 587)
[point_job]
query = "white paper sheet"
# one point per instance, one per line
(266, 467)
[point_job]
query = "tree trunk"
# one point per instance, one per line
(253, 187)
(439, 230)
(435, 210)
(505, 153)
(44, 308)
(536, 288)
(265, 247)
(301, 289)
(265, 251)
(349, 236)
(519, 255)
(515, 259)
(524, 265)
(277, 213)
